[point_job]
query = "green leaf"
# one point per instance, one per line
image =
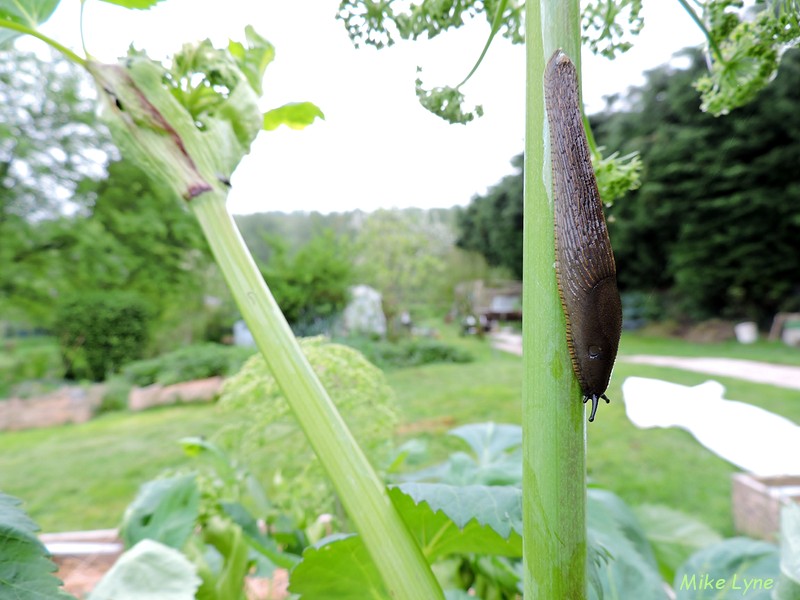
(616, 175)
(726, 569)
(26, 571)
(446, 102)
(136, 4)
(490, 441)
(673, 536)
(146, 571)
(789, 582)
(30, 13)
(604, 27)
(444, 519)
(337, 568)
(449, 519)
(254, 58)
(164, 510)
(295, 115)
(495, 459)
(257, 540)
(631, 571)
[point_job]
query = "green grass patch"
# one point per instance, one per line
(83, 476)
(762, 350)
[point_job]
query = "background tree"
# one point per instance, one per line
(294, 229)
(137, 236)
(311, 285)
(403, 255)
(69, 224)
(49, 141)
(717, 218)
(492, 224)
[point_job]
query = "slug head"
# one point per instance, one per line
(595, 330)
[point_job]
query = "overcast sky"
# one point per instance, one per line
(377, 148)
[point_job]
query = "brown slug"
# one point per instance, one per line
(585, 269)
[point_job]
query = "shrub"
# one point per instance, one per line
(197, 361)
(115, 395)
(407, 353)
(266, 432)
(25, 360)
(98, 332)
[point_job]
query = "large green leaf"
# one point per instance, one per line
(498, 507)
(164, 510)
(444, 519)
(337, 568)
(630, 570)
(26, 571)
(295, 115)
(673, 536)
(789, 582)
(149, 570)
(449, 519)
(29, 13)
(495, 457)
(729, 569)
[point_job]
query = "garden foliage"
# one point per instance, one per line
(311, 286)
(269, 435)
(411, 352)
(98, 332)
(187, 363)
(466, 515)
(26, 571)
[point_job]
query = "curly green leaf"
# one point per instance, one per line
(295, 115)
(252, 58)
(608, 24)
(447, 103)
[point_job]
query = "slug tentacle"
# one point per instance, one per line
(585, 268)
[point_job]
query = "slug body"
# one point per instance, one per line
(585, 269)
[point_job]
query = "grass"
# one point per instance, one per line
(762, 350)
(83, 476)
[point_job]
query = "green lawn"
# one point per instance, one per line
(762, 350)
(83, 476)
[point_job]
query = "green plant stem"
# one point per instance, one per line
(496, 23)
(5, 23)
(699, 22)
(554, 462)
(396, 555)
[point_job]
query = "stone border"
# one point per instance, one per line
(78, 404)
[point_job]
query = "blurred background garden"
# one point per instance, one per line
(113, 283)
(108, 293)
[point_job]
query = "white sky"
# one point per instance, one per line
(377, 148)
